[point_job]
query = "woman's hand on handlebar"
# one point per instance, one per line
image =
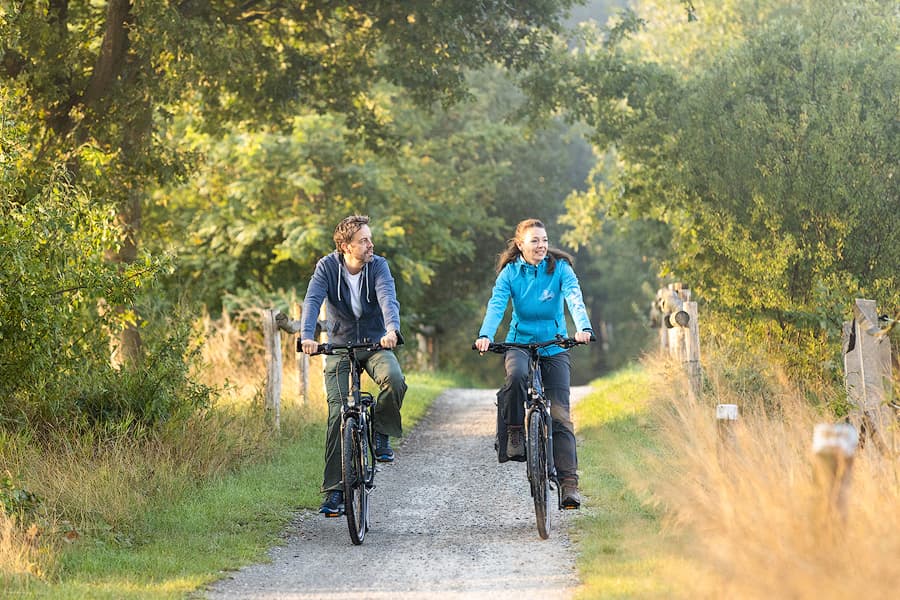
(309, 346)
(482, 343)
(583, 337)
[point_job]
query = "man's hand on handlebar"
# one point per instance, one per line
(482, 343)
(389, 340)
(309, 346)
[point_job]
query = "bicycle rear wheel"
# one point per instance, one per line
(353, 467)
(538, 471)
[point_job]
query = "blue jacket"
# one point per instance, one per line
(537, 303)
(380, 309)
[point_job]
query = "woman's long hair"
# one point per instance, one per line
(512, 252)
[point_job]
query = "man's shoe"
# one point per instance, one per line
(570, 496)
(515, 444)
(333, 506)
(383, 451)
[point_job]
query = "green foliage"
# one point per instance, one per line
(262, 206)
(15, 499)
(54, 332)
(769, 156)
(133, 399)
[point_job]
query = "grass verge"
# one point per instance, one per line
(676, 509)
(624, 548)
(176, 547)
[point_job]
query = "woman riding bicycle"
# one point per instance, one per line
(538, 280)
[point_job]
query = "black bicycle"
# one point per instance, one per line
(539, 431)
(357, 443)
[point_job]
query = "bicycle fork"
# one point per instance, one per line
(362, 416)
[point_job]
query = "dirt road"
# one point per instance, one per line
(448, 522)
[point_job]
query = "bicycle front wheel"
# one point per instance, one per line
(353, 467)
(538, 471)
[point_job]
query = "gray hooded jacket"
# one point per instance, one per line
(380, 309)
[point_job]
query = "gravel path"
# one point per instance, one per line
(448, 522)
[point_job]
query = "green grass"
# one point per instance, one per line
(232, 521)
(622, 552)
(222, 524)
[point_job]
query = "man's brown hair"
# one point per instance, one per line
(347, 228)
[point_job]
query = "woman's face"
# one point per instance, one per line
(533, 245)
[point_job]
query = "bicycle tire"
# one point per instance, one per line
(356, 500)
(538, 471)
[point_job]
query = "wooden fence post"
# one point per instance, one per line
(726, 439)
(677, 318)
(867, 375)
(692, 349)
(425, 350)
(272, 341)
(323, 339)
(834, 446)
(674, 315)
(302, 361)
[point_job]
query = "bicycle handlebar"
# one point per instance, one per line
(562, 342)
(327, 348)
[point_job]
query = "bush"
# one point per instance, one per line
(55, 281)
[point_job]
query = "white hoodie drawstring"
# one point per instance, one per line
(365, 279)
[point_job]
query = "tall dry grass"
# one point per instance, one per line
(233, 361)
(98, 484)
(753, 510)
(23, 554)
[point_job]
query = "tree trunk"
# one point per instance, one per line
(127, 350)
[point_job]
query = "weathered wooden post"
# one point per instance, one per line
(302, 361)
(292, 326)
(834, 446)
(668, 311)
(726, 438)
(867, 376)
(680, 337)
(323, 339)
(656, 318)
(272, 341)
(676, 319)
(425, 360)
(692, 349)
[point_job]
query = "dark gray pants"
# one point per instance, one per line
(555, 374)
(384, 369)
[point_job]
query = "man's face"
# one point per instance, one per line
(360, 249)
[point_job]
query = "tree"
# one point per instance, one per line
(771, 162)
(96, 84)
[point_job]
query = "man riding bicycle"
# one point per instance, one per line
(358, 290)
(539, 281)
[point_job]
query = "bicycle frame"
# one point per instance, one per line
(537, 401)
(357, 411)
(355, 403)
